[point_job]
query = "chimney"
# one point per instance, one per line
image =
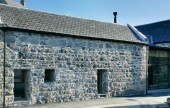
(115, 17)
(23, 2)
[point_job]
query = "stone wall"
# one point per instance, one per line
(75, 62)
(9, 99)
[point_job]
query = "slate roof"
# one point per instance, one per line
(158, 32)
(47, 22)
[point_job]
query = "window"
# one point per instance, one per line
(49, 75)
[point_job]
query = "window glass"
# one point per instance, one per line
(163, 57)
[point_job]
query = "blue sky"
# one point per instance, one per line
(134, 12)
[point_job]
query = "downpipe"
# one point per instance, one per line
(4, 63)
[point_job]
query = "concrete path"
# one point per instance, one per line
(155, 100)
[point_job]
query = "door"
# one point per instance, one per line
(20, 80)
(102, 81)
(99, 81)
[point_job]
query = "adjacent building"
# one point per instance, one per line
(158, 35)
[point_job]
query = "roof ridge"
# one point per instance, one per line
(153, 23)
(63, 15)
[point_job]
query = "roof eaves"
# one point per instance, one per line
(1, 21)
(2, 25)
(158, 47)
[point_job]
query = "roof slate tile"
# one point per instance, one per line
(48, 22)
(160, 31)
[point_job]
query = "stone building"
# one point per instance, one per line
(49, 58)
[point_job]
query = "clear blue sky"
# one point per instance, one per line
(134, 12)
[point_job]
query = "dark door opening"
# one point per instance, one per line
(102, 81)
(20, 82)
(99, 80)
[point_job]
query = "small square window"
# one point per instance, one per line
(49, 75)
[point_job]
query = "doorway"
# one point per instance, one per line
(20, 84)
(102, 81)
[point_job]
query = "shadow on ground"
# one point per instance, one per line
(140, 106)
(159, 94)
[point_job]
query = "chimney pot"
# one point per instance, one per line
(115, 17)
(23, 2)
